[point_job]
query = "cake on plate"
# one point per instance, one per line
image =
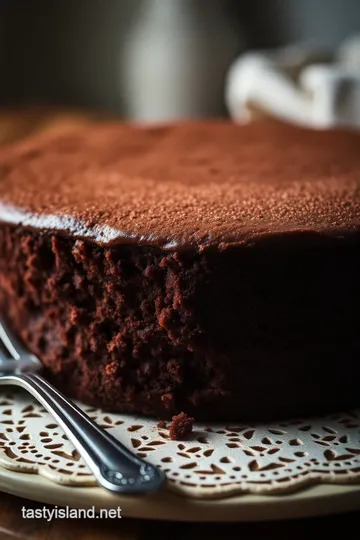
(200, 267)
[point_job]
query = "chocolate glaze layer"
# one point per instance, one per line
(192, 184)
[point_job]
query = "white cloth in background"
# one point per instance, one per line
(298, 84)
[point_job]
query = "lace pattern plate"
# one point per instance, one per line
(216, 461)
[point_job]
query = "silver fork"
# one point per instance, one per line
(114, 466)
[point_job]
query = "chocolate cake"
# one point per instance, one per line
(202, 267)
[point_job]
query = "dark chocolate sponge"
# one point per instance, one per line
(206, 267)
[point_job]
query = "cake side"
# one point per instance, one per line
(243, 334)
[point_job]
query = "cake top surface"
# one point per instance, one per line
(202, 184)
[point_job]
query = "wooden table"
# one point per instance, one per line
(17, 124)
(13, 526)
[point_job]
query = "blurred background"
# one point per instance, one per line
(148, 59)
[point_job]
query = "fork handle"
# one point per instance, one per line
(114, 466)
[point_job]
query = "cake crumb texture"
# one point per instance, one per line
(181, 427)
